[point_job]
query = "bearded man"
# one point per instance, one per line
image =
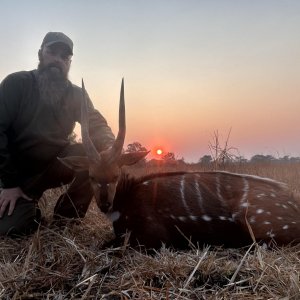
(38, 111)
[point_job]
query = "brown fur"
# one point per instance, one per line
(154, 213)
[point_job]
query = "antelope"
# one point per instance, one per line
(176, 208)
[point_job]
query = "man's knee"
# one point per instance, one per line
(24, 219)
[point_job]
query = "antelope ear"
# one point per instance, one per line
(75, 163)
(131, 158)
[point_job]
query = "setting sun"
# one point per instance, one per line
(159, 152)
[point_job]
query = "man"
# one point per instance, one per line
(38, 111)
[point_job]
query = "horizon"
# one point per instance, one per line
(191, 68)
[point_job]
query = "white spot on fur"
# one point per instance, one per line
(261, 195)
(114, 216)
(234, 215)
(284, 206)
(273, 195)
(279, 218)
(199, 196)
(269, 213)
(245, 204)
(206, 218)
(270, 234)
(145, 182)
(259, 211)
(222, 218)
(182, 185)
(245, 194)
(285, 227)
(193, 218)
(278, 204)
(182, 218)
(172, 217)
(252, 219)
(219, 188)
(267, 222)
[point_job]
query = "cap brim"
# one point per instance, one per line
(60, 42)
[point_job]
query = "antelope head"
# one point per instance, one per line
(104, 167)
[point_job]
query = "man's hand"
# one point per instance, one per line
(9, 197)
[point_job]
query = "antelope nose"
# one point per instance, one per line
(105, 207)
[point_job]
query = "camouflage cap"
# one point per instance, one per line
(57, 37)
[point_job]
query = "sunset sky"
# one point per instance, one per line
(191, 67)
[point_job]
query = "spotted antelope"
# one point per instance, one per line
(218, 208)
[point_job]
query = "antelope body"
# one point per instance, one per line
(218, 208)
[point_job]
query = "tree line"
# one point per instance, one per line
(223, 157)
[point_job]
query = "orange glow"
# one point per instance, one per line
(158, 152)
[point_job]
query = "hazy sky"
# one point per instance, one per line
(191, 67)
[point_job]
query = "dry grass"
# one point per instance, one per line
(70, 263)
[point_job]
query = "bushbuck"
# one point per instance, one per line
(174, 208)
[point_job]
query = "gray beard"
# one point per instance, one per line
(52, 84)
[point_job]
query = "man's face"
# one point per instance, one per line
(56, 56)
(53, 68)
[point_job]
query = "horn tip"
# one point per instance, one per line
(122, 86)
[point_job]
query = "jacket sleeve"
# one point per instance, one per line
(100, 132)
(10, 92)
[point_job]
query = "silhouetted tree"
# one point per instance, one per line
(259, 158)
(295, 159)
(206, 159)
(286, 158)
(135, 147)
(241, 159)
(169, 156)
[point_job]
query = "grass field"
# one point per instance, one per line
(70, 263)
